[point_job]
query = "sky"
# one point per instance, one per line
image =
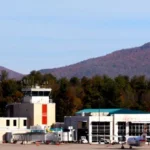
(41, 34)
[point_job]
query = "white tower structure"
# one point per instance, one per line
(36, 105)
(37, 95)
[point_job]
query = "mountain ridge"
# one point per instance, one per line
(124, 61)
(12, 74)
(130, 62)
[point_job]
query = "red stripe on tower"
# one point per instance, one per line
(44, 113)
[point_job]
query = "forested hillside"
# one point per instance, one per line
(71, 95)
(12, 74)
(130, 62)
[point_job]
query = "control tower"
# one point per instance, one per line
(36, 105)
(37, 95)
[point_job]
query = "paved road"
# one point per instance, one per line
(65, 147)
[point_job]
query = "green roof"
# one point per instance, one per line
(112, 111)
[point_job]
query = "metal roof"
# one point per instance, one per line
(113, 111)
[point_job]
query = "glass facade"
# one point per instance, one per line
(36, 93)
(121, 131)
(100, 130)
(121, 128)
(136, 129)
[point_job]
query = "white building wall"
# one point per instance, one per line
(127, 130)
(19, 123)
(36, 99)
(135, 118)
(18, 128)
(111, 129)
(90, 130)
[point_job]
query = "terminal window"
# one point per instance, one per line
(14, 122)
(46, 93)
(24, 122)
(136, 129)
(100, 130)
(121, 128)
(41, 93)
(84, 125)
(34, 93)
(7, 122)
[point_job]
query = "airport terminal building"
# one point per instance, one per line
(110, 124)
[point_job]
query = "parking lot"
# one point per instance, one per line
(65, 147)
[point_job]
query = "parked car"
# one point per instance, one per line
(104, 141)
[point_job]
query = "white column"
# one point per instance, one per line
(90, 131)
(127, 130)
(111, 131)
(116, 131)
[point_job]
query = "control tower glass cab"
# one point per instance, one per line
(37, 95)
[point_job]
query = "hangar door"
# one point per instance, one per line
(136, 129)
(100, 130)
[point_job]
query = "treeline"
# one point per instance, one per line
(71, 95)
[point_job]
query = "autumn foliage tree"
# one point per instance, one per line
(71, 95)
